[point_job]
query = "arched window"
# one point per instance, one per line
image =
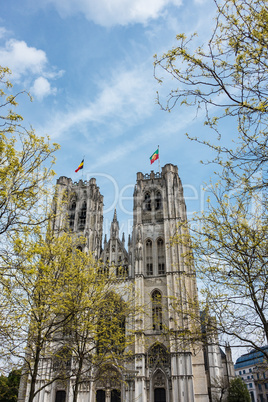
(72, 213)
(157, 310)
(149, 257)
(147, 202)
(161, 256)
(73, 205)
(82, 216)
(158, 201)
(158, 354)
(62, 360)
(122, 271)
(103, 271)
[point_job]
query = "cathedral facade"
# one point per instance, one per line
(161, 369)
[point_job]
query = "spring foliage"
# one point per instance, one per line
(58, 307)
(25, 169)
(227, 78)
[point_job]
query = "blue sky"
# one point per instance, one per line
(89, 66)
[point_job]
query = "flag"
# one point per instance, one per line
(80, 166)
(155, 156)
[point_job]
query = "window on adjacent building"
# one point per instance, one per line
(157, 310)
(250, 385)
(149, 257)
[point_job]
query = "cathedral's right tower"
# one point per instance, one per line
(166, 370)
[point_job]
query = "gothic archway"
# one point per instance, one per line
(108, 384)
(159, 386)
(159, 366)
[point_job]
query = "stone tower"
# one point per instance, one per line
(82, 212)
(166, 371)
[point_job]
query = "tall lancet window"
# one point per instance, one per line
(158, 201)
(82, 216)
(72, 214)
(147, 202)
(149, 257)
(157, 310)
(161, 256)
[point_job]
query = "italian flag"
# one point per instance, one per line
(155, 156)
(80, 166)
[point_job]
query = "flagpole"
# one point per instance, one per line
(159, 160)
(83, 169)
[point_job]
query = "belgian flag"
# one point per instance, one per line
(80, 166)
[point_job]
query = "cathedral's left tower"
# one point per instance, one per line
(79, 207)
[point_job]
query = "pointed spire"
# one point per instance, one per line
(129, 241)
(105, 239)
(123, 239)
(114, 231)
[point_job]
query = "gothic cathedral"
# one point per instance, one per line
(160, 369)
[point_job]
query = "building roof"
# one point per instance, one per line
(250, 359)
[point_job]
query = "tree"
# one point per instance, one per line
(238, 391)
(25, 171)
(36, 292)
(62, 299)
(96, 329)
(25, 177)
(227, 243)
(9, 386)
(227, 247)
(228, 75)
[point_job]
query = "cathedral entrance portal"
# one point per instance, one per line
(159, 395)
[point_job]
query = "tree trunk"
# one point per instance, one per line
(77, 379)
(34, 374)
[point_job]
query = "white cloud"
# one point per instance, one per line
(112, 12)
(28, 63)
(42, 88)
(125, 99)
(22, 59)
